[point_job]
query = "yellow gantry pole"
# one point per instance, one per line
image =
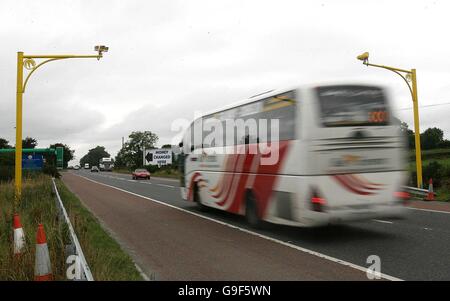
(31, 65)
(19, 94)
(416, 129)
(365, 58)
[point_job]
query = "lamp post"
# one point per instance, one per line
(407, 75)
(28, 62)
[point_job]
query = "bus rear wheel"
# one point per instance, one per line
(251, 211)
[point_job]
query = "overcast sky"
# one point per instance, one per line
(168, 59)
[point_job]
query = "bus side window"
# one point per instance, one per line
(283, 109)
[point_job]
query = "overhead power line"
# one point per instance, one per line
(427, 106)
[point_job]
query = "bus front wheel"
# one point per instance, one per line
(197, 199)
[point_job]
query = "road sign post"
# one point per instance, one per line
(59, 157)
(407, 76)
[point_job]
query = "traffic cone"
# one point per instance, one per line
(430, 194)
(19, 236)
(43, 267)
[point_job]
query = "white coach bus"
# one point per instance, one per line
(337, 157)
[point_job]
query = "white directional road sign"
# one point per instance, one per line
(161, 156)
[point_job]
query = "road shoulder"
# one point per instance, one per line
(430, 205)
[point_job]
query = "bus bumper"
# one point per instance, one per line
(341, 216)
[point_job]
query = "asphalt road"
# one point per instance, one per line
(413, 248)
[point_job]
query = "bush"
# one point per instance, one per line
(165, 168)
(6, 167)
(6, 173)
(434, 170)
(51, 170)
(444, 144)
(152, 168)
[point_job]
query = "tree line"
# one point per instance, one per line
(431, 138)
(130, 156)
(94, 155)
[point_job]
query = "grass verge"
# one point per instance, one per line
(103, 254)
(172, 174)
(442, 157)
(37, 206)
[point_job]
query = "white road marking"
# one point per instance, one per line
(164, 185)
(430, 210)
(143, 275)
(382, 221)
(428, 229)
(287, 244)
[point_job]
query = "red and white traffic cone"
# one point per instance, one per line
(43, 267)
(430, 194)
(19, 236)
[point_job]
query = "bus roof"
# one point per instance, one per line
(273, 92)
(250, 99)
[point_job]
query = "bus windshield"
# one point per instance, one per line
(352, 106)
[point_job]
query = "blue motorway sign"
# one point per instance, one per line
(32, 161)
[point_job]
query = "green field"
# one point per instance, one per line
(438, 153)
(441, 156)
(444, 162)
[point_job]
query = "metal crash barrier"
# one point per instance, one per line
(77, 267)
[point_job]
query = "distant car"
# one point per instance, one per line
(94, 169)
(140, 174)
(76, 167)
